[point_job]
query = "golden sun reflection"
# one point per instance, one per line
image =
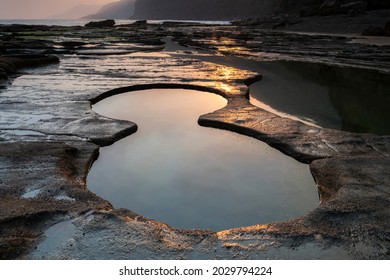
(226, 88)
(227, 77)
(226, 73)
(227, 45)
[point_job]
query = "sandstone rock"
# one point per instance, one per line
(351, 169)
(101, 24)
(374, 31)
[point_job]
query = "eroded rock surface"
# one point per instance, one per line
(49, 137)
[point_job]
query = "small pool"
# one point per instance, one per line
(330, 96)
(343, 98)
(175, 171)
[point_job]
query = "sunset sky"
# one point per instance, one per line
(40, 9)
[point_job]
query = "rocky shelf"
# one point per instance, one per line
(49, 137)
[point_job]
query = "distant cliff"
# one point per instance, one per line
(122, 9)
(326, 7)
(204, 9)
(242, 9)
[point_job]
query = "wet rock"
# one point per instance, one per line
(374, 31)
(295, 139)
(17, 45)
(140, 22)
(351, 169)
(73, 44)
(100, 130)
(10, 64)
(267, 22)
(50, 170)
(327, 48)
(7, 65)
(34, 60)
(3, 74)
(101, 24)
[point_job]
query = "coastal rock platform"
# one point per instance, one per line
(49, 138)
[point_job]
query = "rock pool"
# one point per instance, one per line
(188, 176)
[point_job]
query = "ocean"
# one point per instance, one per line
(82, 22)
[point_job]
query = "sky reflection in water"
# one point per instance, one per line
(188, 176)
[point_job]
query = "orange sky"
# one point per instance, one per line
(40, 9)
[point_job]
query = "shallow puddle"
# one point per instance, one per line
(56, 237)
(188, 176)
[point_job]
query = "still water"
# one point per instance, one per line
(177, 172)
(343, 98)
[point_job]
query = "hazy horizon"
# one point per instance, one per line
(42, 9)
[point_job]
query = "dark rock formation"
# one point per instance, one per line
(122, 9)
(358, 6)
(378, 4)
(101, 24)
(244, 9)
(10, 64)
(377, 30)
(374, 31)
(387, 28)
(204, 9)
(330, 7)
(140, 22)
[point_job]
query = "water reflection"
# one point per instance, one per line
(226, 45)
(341, 98)
(175, 171)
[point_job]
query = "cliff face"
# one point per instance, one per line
(230, 9)
(378, 4)
(298, 5)
(204, 9)
(242, 9)
(123, 9)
